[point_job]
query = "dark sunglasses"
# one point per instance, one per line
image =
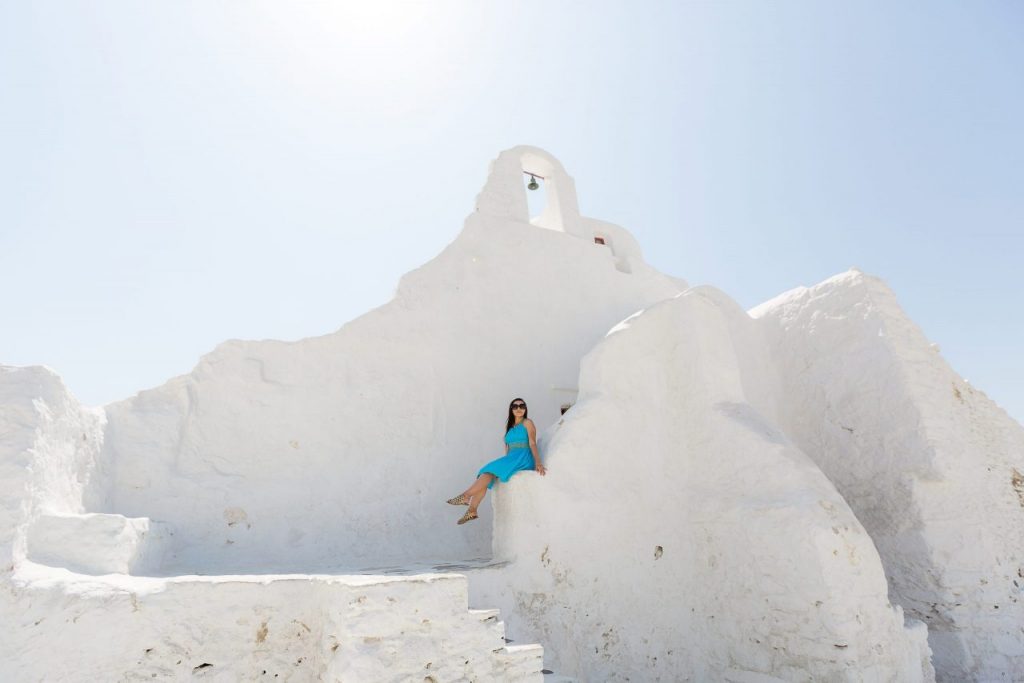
(518, 405)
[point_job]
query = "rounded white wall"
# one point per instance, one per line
(679, 535)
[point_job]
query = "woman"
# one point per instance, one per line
(520, 454)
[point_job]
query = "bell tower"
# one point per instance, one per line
(504, 193)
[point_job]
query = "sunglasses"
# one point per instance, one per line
(517, 406)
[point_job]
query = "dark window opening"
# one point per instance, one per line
(598, 240)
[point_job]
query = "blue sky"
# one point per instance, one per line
(176, 174)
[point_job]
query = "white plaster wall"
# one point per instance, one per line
(56, 625)
(926, 461)
(48, 449)
(48, 454)
(680, 535)
(337, 452)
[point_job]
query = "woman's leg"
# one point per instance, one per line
(478, 490)
(475, 486)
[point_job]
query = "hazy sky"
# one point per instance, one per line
(176, 174)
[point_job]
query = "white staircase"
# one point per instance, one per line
(424, 630)
(351, 628)
(363, 627)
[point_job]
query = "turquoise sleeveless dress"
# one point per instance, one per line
(519, 457)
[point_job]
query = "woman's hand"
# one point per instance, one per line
(541, 470)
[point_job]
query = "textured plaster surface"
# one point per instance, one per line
(928, 463)
(804, 492)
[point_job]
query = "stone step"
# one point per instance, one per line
(521, 662)
(98, 543)
(490, 618)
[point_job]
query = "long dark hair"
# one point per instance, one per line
(511, 421)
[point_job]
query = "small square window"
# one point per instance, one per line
(598, 240)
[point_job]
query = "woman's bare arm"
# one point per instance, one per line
(531, 431)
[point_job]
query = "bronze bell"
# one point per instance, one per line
(533, 183)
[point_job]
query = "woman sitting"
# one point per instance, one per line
(520, 454)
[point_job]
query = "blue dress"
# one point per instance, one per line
(519, 457)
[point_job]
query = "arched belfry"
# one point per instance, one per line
(504, 194)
